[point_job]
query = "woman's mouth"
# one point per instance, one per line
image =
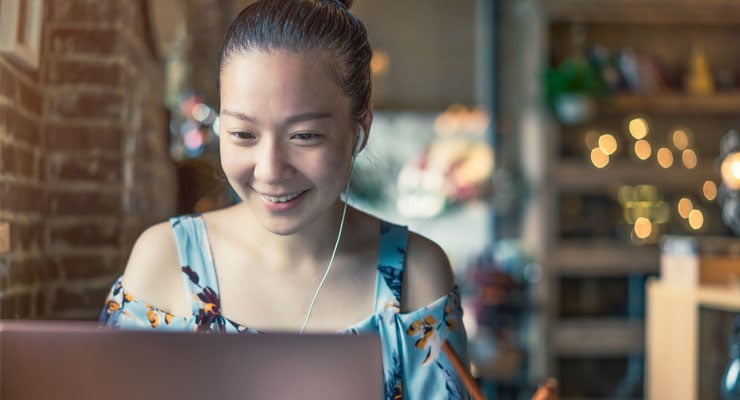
(281, 199)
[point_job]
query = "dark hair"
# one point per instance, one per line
(303, 26)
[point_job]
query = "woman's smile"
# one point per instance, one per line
(282, 203)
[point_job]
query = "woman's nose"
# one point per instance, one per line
(272, 164)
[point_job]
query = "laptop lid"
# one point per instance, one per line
(76, 360)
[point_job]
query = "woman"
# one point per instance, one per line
(291, 256)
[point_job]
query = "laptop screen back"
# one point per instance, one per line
(55, 360)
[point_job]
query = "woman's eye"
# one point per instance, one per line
(242, 135)
(305, 136)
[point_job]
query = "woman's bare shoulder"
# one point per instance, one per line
(427, 275)
(153, 273)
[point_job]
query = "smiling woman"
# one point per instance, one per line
(295, 112)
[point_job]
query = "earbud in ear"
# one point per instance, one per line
(360, 139)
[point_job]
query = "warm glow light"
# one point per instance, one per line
(661, 212)
(638, 128)
(625, 194)
(598, 158)
(608, 144)
(591, 138)
(380, 62)
(680, 139)
(665, 157)
(689, 158)
(685, 205)
(710, 190)
(647, 193)
(730, 171)
(643, 228)
(643, 150)
(696, 219)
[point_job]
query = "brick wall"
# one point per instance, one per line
(85, 162)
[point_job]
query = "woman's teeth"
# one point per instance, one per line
(281, 199)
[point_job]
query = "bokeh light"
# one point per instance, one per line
(730, 171)
(643, 150)
(643, 228)
(638, 127)
(591, 139)
(608, 144)
(689, 158)
(710, 190)
(665, 157)
(696, 219)
(684, 207)
(680, 139)
(598, 158)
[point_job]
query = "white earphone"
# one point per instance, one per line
(358, 147)
(360, 139)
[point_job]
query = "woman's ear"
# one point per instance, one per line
(365, 124)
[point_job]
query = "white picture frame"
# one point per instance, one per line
(20, 30)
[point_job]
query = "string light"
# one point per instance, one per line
(710, 190)
(638, 128)
(643, 150)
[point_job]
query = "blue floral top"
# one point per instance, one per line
(414, 367)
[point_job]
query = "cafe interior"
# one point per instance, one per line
(577, 160)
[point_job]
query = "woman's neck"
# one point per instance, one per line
(309, 247)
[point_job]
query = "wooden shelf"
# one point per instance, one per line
(721, 103)
(673, 336)
(597, 337)
(579, 177)
(603, 258)
(644, 11)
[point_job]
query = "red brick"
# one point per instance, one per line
(84, 72)
(19, 127)
(41, 309)
(85, 235)
(84, 41)
(8, 82)
(76, 11)
(4, 263)
(21, 197)
(90, 169)
(85, 104)
(64, 137)
(85, 299)
(16, 161)
(27, 272)
(15, 306)
(26, 237)
(77, 267)
(29, 97)
(84, 203)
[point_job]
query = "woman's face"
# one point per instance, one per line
(286, 136)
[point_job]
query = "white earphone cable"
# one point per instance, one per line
(333, 253)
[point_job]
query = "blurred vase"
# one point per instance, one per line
(574, 108)
(731, 379)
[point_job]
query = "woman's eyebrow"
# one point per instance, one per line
(293, 119)
(238, 115)
(307, 116)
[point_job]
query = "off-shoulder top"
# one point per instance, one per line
(413, 365)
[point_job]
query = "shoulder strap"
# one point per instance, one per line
(195, 257)
(391, 261)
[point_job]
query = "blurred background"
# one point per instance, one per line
(577, 160)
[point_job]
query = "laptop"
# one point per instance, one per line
(77, 360)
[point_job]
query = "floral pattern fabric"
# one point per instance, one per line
(413, 365)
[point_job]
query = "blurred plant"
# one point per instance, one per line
(572, 87)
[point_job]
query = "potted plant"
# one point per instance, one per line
(571, 89)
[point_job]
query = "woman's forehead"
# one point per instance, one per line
(256, 82)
